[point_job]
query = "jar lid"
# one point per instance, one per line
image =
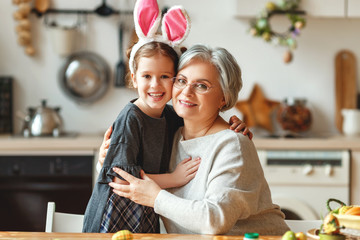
(251, 235)
(295, 101)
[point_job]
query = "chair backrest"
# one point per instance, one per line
(303, 225)
(62, 222)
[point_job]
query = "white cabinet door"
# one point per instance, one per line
(324, 8)
(353, 8)
(249, 8)
(313, 8)
(355, 178)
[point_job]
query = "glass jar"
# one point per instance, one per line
(294, 116)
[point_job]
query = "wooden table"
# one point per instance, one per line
(103, 236)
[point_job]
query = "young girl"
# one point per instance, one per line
(143, 132)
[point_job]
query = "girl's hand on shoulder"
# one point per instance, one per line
(185, 171)
(239, 126)
(119, 181)
(105, 146)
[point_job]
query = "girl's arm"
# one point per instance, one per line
(184, 172)
(235, 124)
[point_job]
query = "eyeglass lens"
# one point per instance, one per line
(196, 87)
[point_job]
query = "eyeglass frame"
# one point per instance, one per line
(191, 86)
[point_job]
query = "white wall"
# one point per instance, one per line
(310, 75)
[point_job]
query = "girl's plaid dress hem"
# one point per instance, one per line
(124, 214)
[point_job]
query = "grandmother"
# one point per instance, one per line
(229, 194)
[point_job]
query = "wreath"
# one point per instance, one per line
(260, 27)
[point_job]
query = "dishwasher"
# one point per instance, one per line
(29, 180)
(302, 181)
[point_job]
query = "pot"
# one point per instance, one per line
(351, 122)
(84, 77)
(44, 121)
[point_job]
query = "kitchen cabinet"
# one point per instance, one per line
(249, 9)
(324, 8)
(353, 7)
(313, 8)
(355, 177)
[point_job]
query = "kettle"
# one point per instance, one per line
(44, 121)
(351, 122)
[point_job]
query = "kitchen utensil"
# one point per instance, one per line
(84, 77)
(120, 67)
(345, 84)
(104, 10)
(42, 5)
(63, 39)
(351, 121)
(45, 121)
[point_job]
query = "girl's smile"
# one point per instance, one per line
(153, 80)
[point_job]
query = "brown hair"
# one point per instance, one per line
(151, 49)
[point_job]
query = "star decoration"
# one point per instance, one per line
(257, 109)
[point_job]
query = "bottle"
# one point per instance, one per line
(251, 236)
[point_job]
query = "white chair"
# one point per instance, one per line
(62, 222)
(303, 225)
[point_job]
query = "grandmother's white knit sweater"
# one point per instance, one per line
(229, 194)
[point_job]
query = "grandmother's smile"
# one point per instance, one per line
(186, 103)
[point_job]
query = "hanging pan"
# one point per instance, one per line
(84, 77)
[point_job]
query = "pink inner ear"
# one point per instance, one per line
(175, 24)
(148, 11)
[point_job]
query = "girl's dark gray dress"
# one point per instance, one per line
(137, 142)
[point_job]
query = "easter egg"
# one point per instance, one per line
(270, 6)
(266, 36)
(287, 57)
(122, 235)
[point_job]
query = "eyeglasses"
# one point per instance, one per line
(197, 87)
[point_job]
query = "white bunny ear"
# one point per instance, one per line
(175, 25)
(147, 17)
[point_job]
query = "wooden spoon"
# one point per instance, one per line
(41, 5)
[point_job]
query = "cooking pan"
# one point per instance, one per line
(84, 77)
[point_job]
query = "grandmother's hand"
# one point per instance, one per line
(105, 146)
(142, 191)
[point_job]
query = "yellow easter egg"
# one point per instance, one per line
(122, 235)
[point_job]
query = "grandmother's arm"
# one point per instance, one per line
(225, 202)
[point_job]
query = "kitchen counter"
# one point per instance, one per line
(60, 236)
(71, 142)
(93, 142)
(326, 143)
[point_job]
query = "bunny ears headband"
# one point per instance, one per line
(175, 26)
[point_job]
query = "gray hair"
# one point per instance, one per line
(228, 69)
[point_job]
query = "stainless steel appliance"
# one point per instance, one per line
(29, 180)
(302, 181)
(43, 121)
